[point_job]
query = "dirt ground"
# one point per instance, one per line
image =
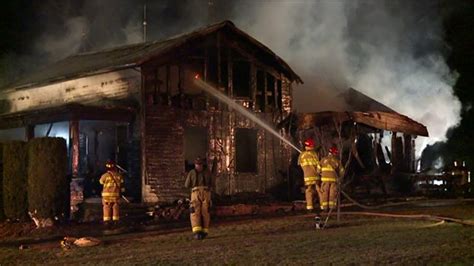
(283, 240)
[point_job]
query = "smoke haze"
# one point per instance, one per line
(392, 51)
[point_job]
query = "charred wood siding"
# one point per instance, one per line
(164, 152)
(165, 122)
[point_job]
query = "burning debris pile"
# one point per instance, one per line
(171, 212)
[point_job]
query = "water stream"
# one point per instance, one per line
(242, 110)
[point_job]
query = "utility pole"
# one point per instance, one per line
(210, 12)
(144, 22)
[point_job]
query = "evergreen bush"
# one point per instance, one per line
(2, 214)
(48, 186)
(15, 160)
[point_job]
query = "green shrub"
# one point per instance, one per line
(2, 214)
(47, 183)
(15, 162)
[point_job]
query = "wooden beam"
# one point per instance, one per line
(180, 79)
(275, 94)
(230, 73)
(219, 71)
(253, 86)
(143, 161)
(408, 152)
(29, 132)
(265, 100)
(205, 74)
(74, 137)
(394, 152)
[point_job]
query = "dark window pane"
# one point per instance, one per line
(246, 150)
(270, 90)
(241, 78)
(261, 90)
(279, 96)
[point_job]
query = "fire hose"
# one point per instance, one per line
(410, 216)
(126, 172)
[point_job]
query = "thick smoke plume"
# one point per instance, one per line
(393, 51)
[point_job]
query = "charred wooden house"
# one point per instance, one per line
(138, 104)
(360, 130)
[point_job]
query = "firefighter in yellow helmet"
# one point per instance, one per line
(112, 182)
(331, 171)
(309, 162)
(199, 181)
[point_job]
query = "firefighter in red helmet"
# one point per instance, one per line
(331, 171)
(309, 162)
(112, 182)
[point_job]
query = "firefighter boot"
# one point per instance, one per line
(317, 222)
(198, 236)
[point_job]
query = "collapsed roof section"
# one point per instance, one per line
(357, 101)
(363, 109)
(379, 120)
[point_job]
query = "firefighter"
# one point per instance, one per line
(331, 171)
(199, 181)
(112, 182)
(309, 162)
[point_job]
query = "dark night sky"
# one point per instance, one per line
(34, 33)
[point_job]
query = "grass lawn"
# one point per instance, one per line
(280, 240)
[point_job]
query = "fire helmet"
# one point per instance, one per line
(199, 161)
(309, 143)
(109, 165)
(334, 150)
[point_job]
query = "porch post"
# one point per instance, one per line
(29, 132)
(74, 137)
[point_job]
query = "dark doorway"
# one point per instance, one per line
(246, 150)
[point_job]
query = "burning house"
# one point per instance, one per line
(359, 131)
(139, 105)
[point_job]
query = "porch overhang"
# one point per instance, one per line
(67, 112)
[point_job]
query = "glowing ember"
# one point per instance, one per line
(197, 76)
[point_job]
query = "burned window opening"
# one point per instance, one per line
(241, 78)
(260, 98)
(279, 96)
(173, 83)
(224, 71)
(195, 144)
(212, 67)
(212, 75)
(246, 150)
(270, 91)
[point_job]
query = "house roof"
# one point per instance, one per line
(128, 56)
(390, 121)
(357, 101)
